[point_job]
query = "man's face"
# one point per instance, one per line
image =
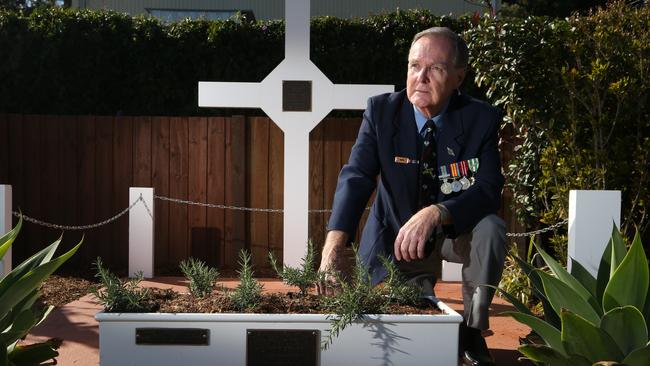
(432, 76)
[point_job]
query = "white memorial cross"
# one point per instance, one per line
(318, 96)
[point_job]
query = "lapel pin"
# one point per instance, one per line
(450, 151)
(405, 160)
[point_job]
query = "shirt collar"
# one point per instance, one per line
(420, 119)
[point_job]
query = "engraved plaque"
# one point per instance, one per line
(172, 336)
(296, 96)
(287, 347)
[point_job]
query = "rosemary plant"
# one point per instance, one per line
(352, 301)
(396, 287)
(305, 277)
(201, 276)
(117, 295)
(249, 292)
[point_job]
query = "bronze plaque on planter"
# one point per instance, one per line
(286, 347)
(172, 336)
(296, 96)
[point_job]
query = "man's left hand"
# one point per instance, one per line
(413, 236)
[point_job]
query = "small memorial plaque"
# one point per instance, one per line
(296, 96)
(287, 347)
(172, 336)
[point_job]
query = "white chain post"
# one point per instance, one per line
(591, 214)
(5, 226)
(452, 272)
(141, 232)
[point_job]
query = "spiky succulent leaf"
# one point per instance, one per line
(551, 335)
(585, 278)
(581, 337)
(562, 296)
(569, 280)
(627, 327)
(629, 283)
(548, 356)
(7, 239)
(638, 357)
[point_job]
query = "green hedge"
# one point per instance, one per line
(575, 91)
(70, 61)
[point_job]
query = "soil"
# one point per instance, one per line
(60, 290)
(276, 303)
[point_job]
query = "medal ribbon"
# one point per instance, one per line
(454, 170)
(463, 168)
(443, 172)
(473, 164)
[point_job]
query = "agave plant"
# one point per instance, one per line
(587, 320)
(19, 312)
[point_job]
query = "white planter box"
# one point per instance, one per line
(379, 340)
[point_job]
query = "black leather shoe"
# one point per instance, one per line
(473, 349)
(471, 358)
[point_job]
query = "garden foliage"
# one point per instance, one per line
(355, 297)
(586, 319)
(248, 293)
(305, 277)
(574, 91)
(576, 98)
(201, 277)
(19, 307)
(119, 296)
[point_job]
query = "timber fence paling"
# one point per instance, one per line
(76, 170)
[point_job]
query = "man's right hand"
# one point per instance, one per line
(332, 259)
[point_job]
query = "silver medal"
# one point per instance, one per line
(445, 188)
(465, 183)
(456, 186)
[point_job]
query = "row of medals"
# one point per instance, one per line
(461, 169)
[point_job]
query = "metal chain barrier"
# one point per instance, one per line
(531, 233)
(211, 205)
(236, 208)
(83, 227)
(226, 207)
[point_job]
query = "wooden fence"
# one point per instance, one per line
(77, 170)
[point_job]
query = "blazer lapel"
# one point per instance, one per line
(405, 145)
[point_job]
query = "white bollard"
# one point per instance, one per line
(452, 272)
(591, 214)
(141, 232)
(5, 226)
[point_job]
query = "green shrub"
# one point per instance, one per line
(396, 288)
(515, 281)
(305, 277)
(118, 296)
(201, 277)
(248, 293)
(575, 93)
(70, 61)
(352, 300)
(19, 311)
(586, 319)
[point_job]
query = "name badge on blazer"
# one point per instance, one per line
(405, 160)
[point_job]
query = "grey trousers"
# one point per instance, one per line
(482, 252)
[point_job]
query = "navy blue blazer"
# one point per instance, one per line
(388, 130)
